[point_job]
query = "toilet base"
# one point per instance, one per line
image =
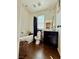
(37, 42)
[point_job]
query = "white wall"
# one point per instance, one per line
(18, 17)
(24, 21)
(18, 25)
(48, 13)
(58, 22)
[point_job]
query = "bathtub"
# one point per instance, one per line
(28, 38)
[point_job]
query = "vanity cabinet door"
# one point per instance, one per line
(51, 38)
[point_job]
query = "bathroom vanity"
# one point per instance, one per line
(51, 38)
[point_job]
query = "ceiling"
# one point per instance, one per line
(38, 5)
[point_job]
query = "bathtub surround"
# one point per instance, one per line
(28, 38)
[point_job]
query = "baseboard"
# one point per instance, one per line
(59, 51)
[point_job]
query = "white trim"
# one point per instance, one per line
(59, 51)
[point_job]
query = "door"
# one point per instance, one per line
(34, 27)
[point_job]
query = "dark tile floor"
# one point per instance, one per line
(32, 51)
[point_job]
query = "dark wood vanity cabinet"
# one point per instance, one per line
(51, 38)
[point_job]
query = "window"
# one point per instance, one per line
(40, 22)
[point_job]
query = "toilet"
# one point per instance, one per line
(38, 38)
